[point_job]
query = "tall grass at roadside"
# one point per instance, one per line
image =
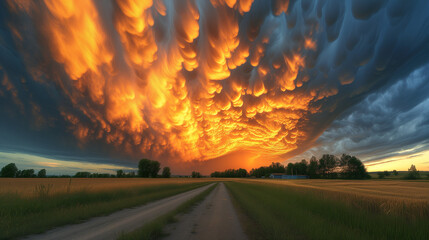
(284, 212)
(21, 215)
(153, 230)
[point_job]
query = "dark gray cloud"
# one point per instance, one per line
(392, 122)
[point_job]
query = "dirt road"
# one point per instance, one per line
(214, 218)
(111, 226)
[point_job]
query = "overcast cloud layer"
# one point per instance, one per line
(184, 81)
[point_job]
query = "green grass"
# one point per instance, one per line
(401, 175)
(153, 230)
(21, 216)
(281, 212)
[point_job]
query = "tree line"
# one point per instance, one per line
(231, 173)
(146, 169)
(328, 166)
(12, 171)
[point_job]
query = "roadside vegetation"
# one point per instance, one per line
(331, 209)
(153, 230)
(49, 204)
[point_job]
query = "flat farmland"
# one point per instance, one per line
(334, 209)
(32, 187)
(412, 190)
(29, 206)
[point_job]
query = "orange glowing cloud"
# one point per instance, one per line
(178, 80)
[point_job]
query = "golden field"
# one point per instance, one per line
(29, 187)
(392, 197)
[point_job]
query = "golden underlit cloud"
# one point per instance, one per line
(186, 80)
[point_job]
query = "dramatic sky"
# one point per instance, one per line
(213, 84)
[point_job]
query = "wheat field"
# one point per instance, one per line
(31, 187)
(392, 197)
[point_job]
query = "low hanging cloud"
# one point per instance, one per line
(195, 80)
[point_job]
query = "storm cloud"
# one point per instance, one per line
(184, 81)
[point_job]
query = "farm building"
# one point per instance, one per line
(284, 176)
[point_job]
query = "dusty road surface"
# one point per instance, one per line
(111, 226)
(214, 218)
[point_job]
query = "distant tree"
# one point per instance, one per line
(276, 168)
(82, 175)
(259, 172)
(166, 172)
(27, 173)
(312, 169)
(100, 175)
(413, 173)
(154, 169)
(301, 167)
(231, 173)
(9, 171)
(41, 173)
(242, 173)
(120, 173)
(148, 168)
(352, 168)
(386, 173)
(196, 174)
(327, 165)
(144, 168)
(381, 175)
(395, 172)
(290, 169)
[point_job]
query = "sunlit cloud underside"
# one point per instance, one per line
(188, 80)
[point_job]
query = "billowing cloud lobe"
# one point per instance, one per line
(194, 80)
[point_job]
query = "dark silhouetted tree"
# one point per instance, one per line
(327, 165)
(120, 174)
(148, 168)
(301, 167)
(290, 169)
(395, 172)
(41, 173)
(386, 173)
(230, 173)
(27, 173)
(196, 174)
(166, 172)
(9, 171)
(312, 169)
(352, 168)
(413, 173)
(82, 175)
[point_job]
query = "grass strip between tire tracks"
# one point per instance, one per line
(153, 229)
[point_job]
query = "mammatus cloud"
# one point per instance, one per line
(195, 80)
